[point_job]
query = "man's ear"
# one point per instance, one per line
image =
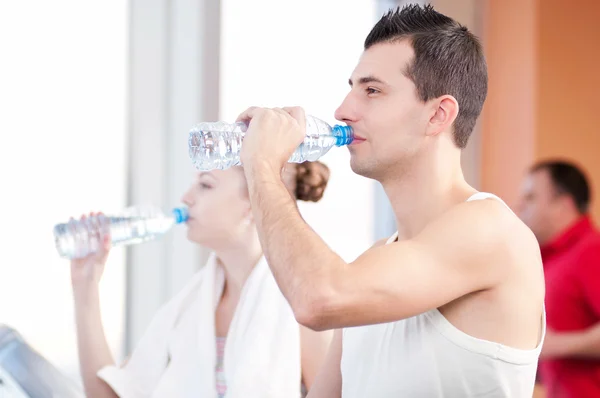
(444, 111)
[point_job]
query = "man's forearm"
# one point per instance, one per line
(300, 260)
(586, 344)
(578, 344)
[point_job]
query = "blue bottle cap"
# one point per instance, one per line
(343, 134)
(180, 214)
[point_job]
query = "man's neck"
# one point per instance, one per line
(425, 190)
(561, 226)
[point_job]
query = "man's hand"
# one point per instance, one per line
(272, 136)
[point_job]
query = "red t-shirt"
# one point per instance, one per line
(572, 273)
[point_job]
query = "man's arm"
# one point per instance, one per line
(577, 344)
(465, 250)
(580, 343)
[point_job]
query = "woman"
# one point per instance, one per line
(229, 332)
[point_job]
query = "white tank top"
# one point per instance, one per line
(426, 356)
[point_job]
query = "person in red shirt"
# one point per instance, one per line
(555, 205)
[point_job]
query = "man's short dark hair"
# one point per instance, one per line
(448, 60)
(569, 180)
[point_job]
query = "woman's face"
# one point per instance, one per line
(219, 208)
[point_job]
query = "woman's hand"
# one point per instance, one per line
(87, 271)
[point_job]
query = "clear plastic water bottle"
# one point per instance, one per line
(78, 238)
(217, 145)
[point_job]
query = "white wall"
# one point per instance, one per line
(280, 53)
(62, 153)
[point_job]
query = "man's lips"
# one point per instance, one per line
(357, 140)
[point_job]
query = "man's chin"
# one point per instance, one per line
(362, 169)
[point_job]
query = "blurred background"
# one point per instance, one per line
(97, 98)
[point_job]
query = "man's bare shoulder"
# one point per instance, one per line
(483, 230)
(497, 218)
(483, 236)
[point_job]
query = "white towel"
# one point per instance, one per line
(176, 357)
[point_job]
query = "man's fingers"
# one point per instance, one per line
(283, 114)
(248, 114)
(297, 113)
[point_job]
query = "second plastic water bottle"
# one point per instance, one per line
(78, 238)
(218, 145)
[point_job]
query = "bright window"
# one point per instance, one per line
(63, 152)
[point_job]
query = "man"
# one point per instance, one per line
(555, 205)
(451, 305)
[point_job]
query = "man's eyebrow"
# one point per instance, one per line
(366, 79)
